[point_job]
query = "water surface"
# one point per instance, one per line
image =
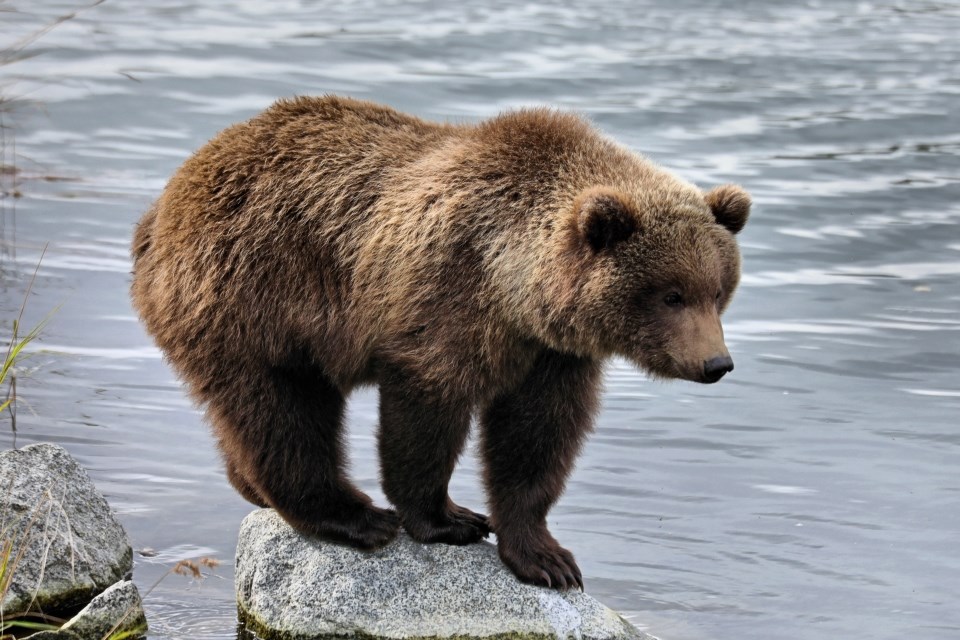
(813, 493)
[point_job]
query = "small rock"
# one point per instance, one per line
(291, 587)
(54, 635)
(67, 546)
(116, 610)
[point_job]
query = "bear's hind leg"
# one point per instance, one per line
(283, 429)
(420, 439)
(243, 487)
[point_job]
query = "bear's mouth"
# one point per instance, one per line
(663, 369)
(709, 372)
(705, 380)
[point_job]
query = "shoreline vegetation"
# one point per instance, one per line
(10, 176)
(24, 527)
(65, 559)
(10, 102)
(28, 528)
(15, 354)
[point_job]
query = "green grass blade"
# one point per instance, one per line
(5, 563)
(130, 633)
(26, 624)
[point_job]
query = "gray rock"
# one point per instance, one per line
(290, 587)
(116, 610)
(67, 544)
(54, 635)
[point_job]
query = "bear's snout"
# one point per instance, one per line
(716, 368)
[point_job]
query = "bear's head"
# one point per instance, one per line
(655, 270)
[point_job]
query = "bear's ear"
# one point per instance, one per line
(604, 218)
(730, 205)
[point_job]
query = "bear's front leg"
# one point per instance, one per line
(421, 436)
(530, 437)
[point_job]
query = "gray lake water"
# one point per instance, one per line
(814, 493)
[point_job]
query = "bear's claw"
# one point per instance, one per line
(544, 563)
(368, 528)
(456, 525)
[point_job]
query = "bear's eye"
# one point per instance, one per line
(673, 299)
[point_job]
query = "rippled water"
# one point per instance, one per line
(814, 493)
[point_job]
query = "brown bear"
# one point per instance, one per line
(468, 271)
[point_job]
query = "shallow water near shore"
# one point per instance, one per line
(812, 493)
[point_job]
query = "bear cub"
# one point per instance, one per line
(468, 271)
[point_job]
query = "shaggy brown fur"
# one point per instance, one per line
(467, 271)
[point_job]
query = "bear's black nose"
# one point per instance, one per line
(715, 368)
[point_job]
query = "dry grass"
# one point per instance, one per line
(186, 567)
(42, 525)
(12, 53)
(14, 545)
(18, 50)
